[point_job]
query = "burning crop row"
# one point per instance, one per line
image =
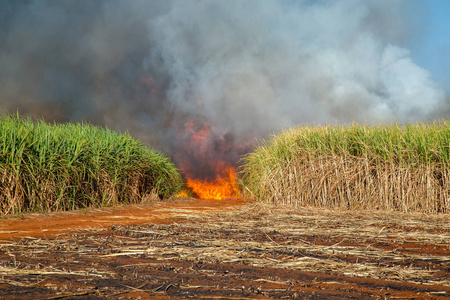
(208, 162)
(221, 188)
(58, 167)
(391, 167)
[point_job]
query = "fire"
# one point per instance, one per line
(207, 175)
(223, 187)
(205, 154)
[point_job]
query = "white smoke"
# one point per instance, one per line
(272, 64)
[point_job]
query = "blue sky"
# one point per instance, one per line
(432, 50)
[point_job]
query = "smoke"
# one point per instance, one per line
(244, 69)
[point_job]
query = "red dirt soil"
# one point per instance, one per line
(200, 249)
(51, 224)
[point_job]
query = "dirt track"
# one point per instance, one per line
(224, 250)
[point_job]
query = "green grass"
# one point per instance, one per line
(45, 167)
(395, 167)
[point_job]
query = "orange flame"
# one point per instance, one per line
(224, 185)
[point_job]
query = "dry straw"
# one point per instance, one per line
(390, 167)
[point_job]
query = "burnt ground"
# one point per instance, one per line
(194, 249)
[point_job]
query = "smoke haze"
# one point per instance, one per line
(245, 69)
